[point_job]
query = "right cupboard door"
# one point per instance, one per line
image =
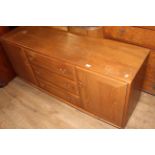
(102, 96)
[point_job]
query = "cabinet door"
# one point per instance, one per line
(19, 62)
(102, 96)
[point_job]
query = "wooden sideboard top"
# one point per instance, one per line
(111, 58)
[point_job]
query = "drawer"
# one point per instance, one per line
(134, 35)
(59, 92)
(56, 79)
(53, 65)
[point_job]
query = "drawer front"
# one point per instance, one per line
(53, 65)
(59, 92)
(134, 35)
(56, 79)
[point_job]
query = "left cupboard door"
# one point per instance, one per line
(19, 62)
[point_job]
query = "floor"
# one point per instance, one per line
(22, 106)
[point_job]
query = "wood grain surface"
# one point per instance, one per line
(94, 74)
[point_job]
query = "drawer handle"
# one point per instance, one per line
(81, 85)
(62, 70)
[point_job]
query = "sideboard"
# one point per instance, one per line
(98, 76)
